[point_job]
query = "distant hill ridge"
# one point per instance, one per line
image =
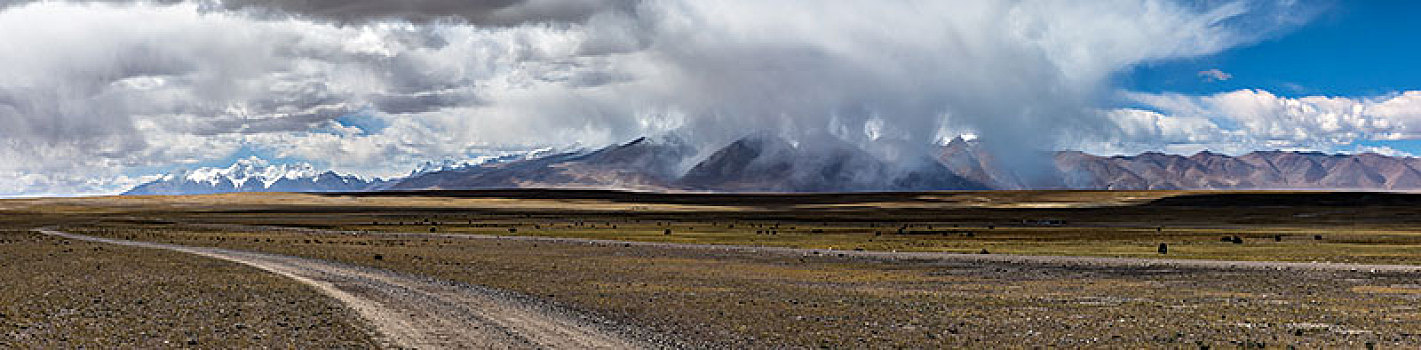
(767, 163)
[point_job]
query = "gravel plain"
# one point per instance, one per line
(414, 312)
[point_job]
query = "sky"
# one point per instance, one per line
(98, 96)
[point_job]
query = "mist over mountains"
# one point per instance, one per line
(768, 163)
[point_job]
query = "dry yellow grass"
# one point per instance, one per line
(739, 299)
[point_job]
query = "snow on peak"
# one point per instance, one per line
(252, 168)
(452, 164)
(443, 165)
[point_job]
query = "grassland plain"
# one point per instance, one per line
(740, 299)
(737, 299)
(1301, 227)
(61, 293)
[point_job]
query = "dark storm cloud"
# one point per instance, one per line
(480, 12)
(422, 102)
(484, 12)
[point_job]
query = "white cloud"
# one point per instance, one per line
(107, 90)
(1246, 120)
(1213, 75)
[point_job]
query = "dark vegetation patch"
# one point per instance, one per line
(1291, 199)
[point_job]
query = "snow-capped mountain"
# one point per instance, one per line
(255, 175)
(485, 160)
(642, 164)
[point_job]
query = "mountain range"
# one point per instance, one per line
(255, 175)
(767, 163)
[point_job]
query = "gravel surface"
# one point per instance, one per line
(416, 312)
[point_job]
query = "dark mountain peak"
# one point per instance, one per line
(959, 143)
(635, 142)
(660, 157)
(765, 162)
(748, 163)
(1208, 155)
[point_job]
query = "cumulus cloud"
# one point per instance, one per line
(1246, 120)
(119, 90)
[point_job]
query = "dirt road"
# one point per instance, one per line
(416, 312)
